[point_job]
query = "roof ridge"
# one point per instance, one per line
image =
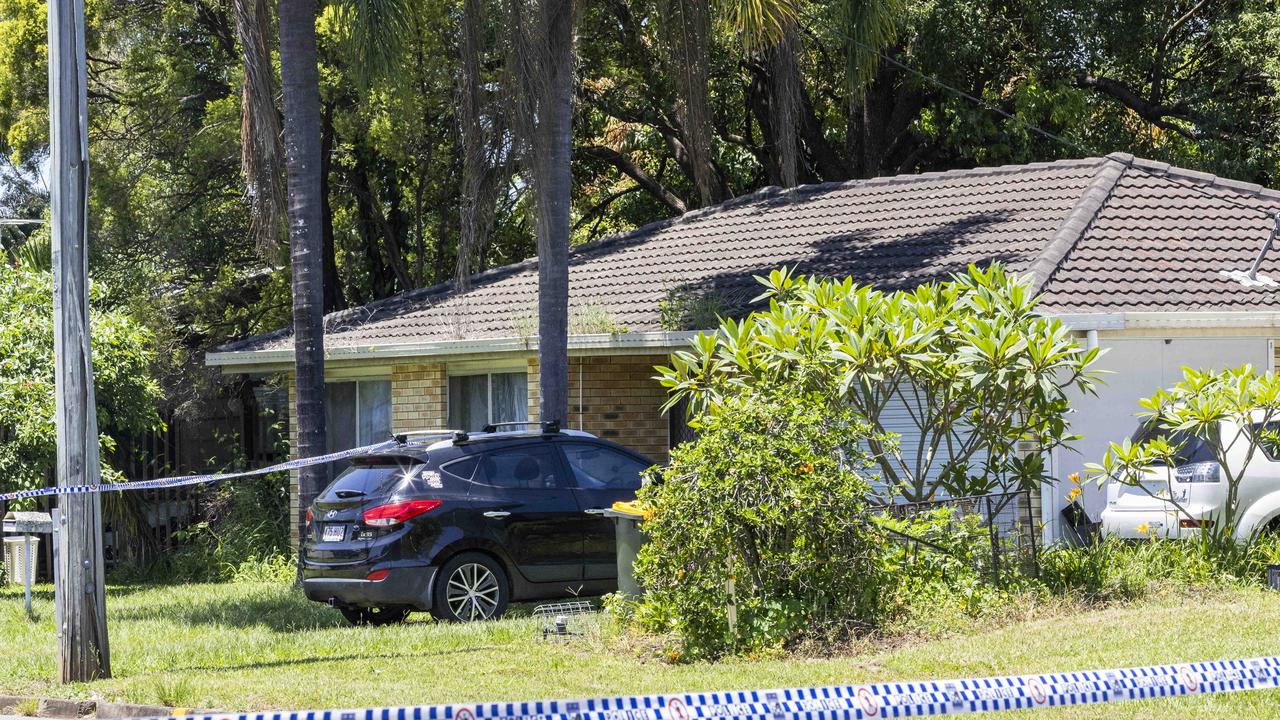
(1077, 221)
(1155, 168)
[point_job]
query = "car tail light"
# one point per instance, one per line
(310, 516)
(378, 575)
(396, 513)
(1201, 472)
(1189, 524)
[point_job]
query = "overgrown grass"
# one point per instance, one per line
(242, 646)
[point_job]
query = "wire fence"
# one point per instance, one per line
(1009, 522)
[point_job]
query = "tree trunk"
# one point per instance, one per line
(554, 188)
(260, 149)
(543, 68)
(333, 297)
(302, 151)
(83, 653)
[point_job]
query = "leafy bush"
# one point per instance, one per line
(126, 393)
(243, 536)
(974, 361)
(758, 535)
(940, 571)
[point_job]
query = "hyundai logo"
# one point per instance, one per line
(331, 515)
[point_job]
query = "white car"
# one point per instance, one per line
(1197, 484)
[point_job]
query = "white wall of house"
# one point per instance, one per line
(1138, 366)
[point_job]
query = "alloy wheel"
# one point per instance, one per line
(472, 592)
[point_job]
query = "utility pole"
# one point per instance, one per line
(83, 653)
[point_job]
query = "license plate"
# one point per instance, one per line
(334, 533)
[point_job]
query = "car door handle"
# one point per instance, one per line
(594, 511)
(496, 514)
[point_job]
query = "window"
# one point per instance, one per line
(356, 413)
(463, 469)
(1189, 448)
(478, 400)
(531, 467)
(1268, 439)
(599, 468)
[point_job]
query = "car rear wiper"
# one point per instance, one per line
(348, 494)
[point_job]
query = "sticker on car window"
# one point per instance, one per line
(432, 479)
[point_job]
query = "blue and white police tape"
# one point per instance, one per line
(853, 702)
(196, 479)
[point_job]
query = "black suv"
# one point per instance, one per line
(464, 525)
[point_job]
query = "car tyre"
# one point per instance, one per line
(376, 616)
(470, 587)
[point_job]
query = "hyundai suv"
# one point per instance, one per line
(462, 526)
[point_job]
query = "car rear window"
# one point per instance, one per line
(366, 479)
(1191, 449)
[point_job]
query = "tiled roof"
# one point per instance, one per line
(1096, 234)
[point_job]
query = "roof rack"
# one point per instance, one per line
(549, 427)
(419, 435)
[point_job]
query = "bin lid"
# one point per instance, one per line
(28, 522)
(627, 508)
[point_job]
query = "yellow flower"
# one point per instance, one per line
(1074, 494)
(1144, 528)
(806, 468)
(1074, 478)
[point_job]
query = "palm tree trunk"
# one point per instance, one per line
(302, 150)
(553, 188)
(542, 59)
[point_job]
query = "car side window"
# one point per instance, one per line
(1269, 439)
(599, 468)
(463, 469)
(527, 467)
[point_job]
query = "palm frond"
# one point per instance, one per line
(36, 253)
(869, 27)
(375, 32)
(758, 23)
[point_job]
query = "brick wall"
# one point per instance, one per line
(620, 401)
(419, 397)
(295, 511)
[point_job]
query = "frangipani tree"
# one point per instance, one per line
(973, 364)
(1232, 413)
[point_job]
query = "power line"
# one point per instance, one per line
(1060, 139)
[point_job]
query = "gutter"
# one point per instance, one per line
(584, 344)
(669, 340)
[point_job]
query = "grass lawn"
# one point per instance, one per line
(249, 647)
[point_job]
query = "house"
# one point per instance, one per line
(1143, 259)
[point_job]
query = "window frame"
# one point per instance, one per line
(488, 391)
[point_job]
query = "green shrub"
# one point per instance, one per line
(757, 536)
(1115, 569)
(244, 535)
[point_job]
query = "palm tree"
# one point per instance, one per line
(542, 69)
(261, 154)
(300, 78)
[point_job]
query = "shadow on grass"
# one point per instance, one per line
(44, 592)
(362, 657)
(279, 609)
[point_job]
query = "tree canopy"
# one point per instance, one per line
(665, 120)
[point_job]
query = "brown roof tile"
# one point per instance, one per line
(1096, 235)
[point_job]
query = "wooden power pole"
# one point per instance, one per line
(83, 653)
